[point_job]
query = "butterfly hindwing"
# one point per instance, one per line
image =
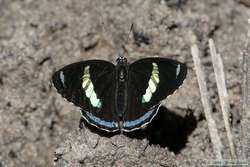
(150, 81)
(89, 85)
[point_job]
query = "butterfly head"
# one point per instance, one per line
(121, 60)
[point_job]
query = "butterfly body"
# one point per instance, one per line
(121, 86)
(121, 97)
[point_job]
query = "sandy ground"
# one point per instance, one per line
(39, 128)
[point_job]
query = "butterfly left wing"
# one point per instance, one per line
(150, 81)
(89, 85)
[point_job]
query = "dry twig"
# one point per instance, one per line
(217, 145)
(246, 99)
(222, 90)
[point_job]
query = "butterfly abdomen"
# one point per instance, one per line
(121, 88)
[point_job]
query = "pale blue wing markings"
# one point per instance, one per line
(62, 78)
(101, 122)
(178, 69)
(143, 119)
(133, 123)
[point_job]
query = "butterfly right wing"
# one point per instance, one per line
(150, 81)
(90, 85)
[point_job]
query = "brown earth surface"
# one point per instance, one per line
(39, 128)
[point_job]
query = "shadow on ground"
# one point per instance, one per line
(167, 130)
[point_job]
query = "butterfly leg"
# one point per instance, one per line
(81, 123)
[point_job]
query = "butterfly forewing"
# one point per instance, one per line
(150, 81)
(90, 85)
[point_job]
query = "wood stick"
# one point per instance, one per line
(223, 95)
(245, 146)
(217, 145)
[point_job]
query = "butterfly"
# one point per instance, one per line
(119, 97)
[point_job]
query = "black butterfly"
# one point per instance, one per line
(121, 97)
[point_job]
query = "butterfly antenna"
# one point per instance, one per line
(121, 54)
(131, 28)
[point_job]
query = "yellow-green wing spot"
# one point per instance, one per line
(152, 84)
(88, 88)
